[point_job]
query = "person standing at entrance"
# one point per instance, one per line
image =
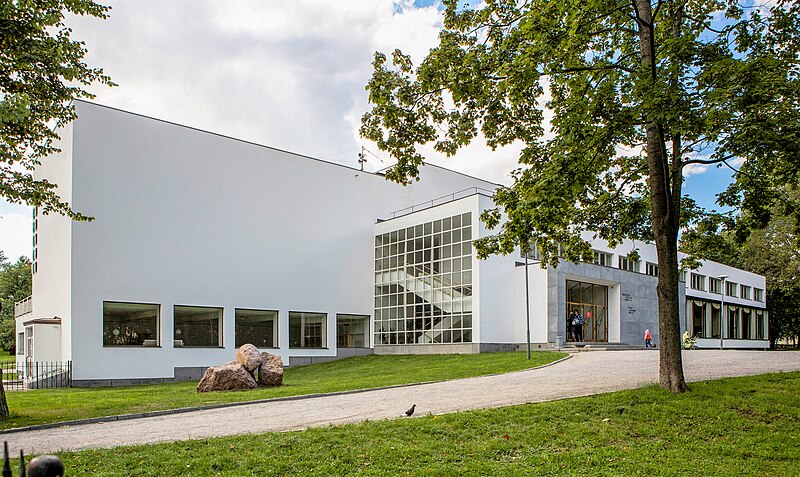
(571, 326)
(577, 323)
(648, 339)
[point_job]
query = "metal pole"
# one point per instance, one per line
(723, 317)
(527, 306)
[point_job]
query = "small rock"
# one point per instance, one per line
(228, 377)
(248, 356)
(270, 373)
(45, 466)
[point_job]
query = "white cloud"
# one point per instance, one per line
(15, 231)
(694, 169)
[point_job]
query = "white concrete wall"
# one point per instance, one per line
(192, 218)
(46, 342)
(500, 315)
(53, 280)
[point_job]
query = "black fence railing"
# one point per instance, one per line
(37, 375)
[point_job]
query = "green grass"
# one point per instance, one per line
(739, 426)
(57, 405)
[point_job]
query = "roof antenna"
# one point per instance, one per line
(362, 157)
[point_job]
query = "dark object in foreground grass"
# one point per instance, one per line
(410, 412)
(46, 466)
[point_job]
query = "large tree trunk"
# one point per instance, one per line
(3, 403)
(665, 190)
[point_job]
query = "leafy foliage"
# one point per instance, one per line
(15, 284)
(638, 90)
(41, 72)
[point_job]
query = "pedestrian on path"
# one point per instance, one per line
(648, 339)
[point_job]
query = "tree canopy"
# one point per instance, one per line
(41, 72)
(15, 285)
(639, 90)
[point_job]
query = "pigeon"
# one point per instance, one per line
(410, 411)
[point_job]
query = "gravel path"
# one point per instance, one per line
(583, 374)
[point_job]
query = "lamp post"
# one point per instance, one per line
(527, 304)
(722, 316)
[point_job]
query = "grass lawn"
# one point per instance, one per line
(739, 426)
(56, 405)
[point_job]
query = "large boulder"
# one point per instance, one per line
(228, 377)
(248, 356)
(270, 373)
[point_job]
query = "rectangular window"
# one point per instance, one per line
(533, 254)
(714, 285)
(352, 331)
(683, 276)
(602, 258)
(698, 282)
(760, 325)
(652, 269)
(198, 326)
(758, 294)
(698, 318)
(715, 320)
(21, 343)
(627, 264)
(257, 327)
(130, 324)
(730, 288)
(307, 330)
(745, 292)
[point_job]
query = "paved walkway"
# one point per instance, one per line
(583, 374)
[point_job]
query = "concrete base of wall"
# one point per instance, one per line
(460, 348)
(340, 353)
(97, 383)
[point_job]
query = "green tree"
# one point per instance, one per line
(41, 72)
(639, 90)
(15, 284)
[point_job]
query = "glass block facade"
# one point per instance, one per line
(423, 283)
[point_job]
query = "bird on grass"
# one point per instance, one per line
(410, 411)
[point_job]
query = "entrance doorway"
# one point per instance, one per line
(591, 301)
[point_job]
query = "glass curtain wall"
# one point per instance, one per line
(591, 301)
(423, 283)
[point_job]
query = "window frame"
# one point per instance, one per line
(324, 329)
(158, 323)
(367, 333)
(275, 331)
(220, 328)
(698, 281)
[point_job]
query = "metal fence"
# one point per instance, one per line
(37, 375)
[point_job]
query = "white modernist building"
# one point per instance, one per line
(201, 243)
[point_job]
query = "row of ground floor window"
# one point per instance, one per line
(138, 324)
(740, 322)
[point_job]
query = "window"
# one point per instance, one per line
(760, 324)
(730, 288)
(758, 294)
(698, 282)
(627, 264)
(715, 320)
(698, 319)
(257, 327)
(130, 324)
(307, 330)
(423, 283)
(21, 343)
(714, 285)
(602, 258)
(198, 326)
(747, 317)
(352, 331)
(683, 276)
(652, 269)
(744, 291)
(533, 254)
(733, 330)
